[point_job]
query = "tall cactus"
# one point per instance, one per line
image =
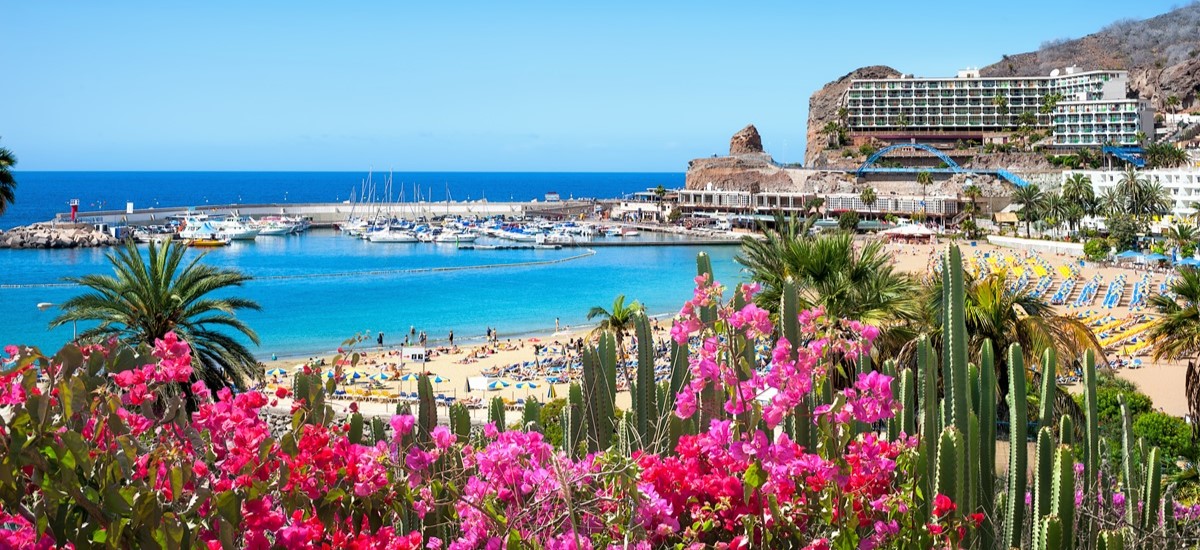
(1043, 477)
(356, 429)
(908, 403)
(573, 425)
(1152, 491)
(1049, 385)
(950, 467)
(1091, 449)
(929, 422)
(986, 457)
(645, 408)
(532, 416)
(1017, 449)
(1111, 540)
(1050, 534)
(427, 408)
(955, 341)
(460, 420)
(1129, 467)
(1062, 497)
(789, 321)
(496, 414)
(600, 387)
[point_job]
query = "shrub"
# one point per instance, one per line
(1169, 433)
(848, 221)
(1096, 249)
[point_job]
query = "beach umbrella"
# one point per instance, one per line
(438, 379)
(1189, 261)
(530, 385)
(551, 393)
(409, 377)
(355, 374)
(1156, 257)
(1129, 254)
(329, 374)
(379, 376)
(300, 367)
(277, 372)
(497, 384)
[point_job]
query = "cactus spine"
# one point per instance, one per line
(1152, 491)
(1017, 464)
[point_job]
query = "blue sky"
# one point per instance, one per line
(465, 86)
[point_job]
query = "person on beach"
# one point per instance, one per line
(451, 338)
(379, 339)
(556, 327)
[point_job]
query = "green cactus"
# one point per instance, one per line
(1062, 497)
(600, 387)
(986, 456)
(496, 414)
(1066, 431)
(789, 321)
(955, 342)
(1050, 534)
(378, 429)
(1168, 517)
(1111, 540)
(532, 412)
(356, 429)
(1129, 466)
(1042, 477)
(950, 466)
(970, 494)
(708, 314)
(569, 442)
(645, 408)
(1152, 491)
(1017, 464)
(460, 421)
(1049, 367)
(929, 423)
(1091, 460)
(574, 425)
(426, 408)
(908, 406)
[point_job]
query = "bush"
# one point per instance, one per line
(848, 221)
(1169, 433)
(1096, 249)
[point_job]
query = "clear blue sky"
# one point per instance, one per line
(491, 86)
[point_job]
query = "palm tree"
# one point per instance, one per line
(850, 283)
(868, 197)
(1077, 189)
(1006, 316)
(150, 297)
(1109, 203)
(1031, 200)
(1172, 103)
(618, 321)
(1001, 104)
(8, 184)
(924, 179)
(1181, 234)
(1176, 334)
(973, 193)
(1054, 210)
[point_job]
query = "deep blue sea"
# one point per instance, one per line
(42, 194)
(320, 288)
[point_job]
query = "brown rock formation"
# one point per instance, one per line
(745, 141)
(824, 104)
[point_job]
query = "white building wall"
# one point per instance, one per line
(1182, 184)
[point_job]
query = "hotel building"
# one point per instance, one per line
(1093, 108)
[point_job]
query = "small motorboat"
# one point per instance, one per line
(212, 242)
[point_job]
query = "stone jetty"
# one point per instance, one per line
(48, 235)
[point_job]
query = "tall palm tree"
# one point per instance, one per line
(618, 321)
(973, 193)
(868, 198)
(1006, 316)
(1172, 103)
(1032, 199)
(1054, 209)
(829, 271)
(1176, 334)
(1110, 203)
(8, 184)
(148, 297)
(924, 179)
(1181, 234)
(1078, 189)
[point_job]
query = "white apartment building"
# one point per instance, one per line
(1183, 184)
(1093, 111)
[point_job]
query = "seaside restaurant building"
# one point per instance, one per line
(702, 202)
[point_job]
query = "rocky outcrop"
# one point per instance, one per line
(45, 235)
(741, 173)
(746, 141)
(823, 108)
(1016, 162)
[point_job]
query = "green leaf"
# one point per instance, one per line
(100, 536)
(752, 480)
(229, 506)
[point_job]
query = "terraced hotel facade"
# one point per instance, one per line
(1092, 108)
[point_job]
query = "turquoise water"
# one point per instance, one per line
(321, 288)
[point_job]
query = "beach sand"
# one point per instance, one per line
(1163, 381)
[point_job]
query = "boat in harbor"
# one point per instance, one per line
(207, 242)
(390, 235)
(454, 237)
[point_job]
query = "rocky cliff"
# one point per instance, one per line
(823, 108)
(747, 168)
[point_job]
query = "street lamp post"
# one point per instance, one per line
(43, 306)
